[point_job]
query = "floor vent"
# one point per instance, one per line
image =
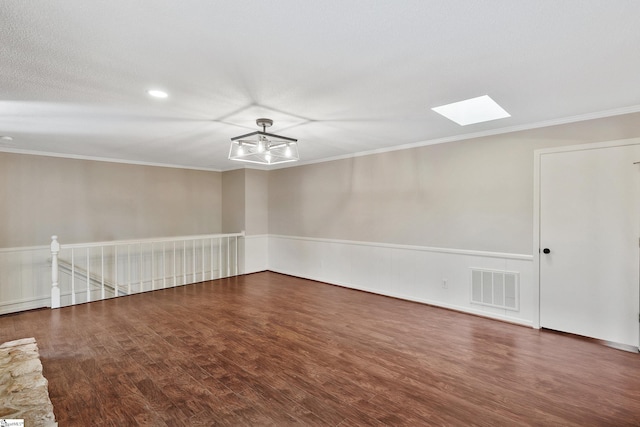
(495, 288)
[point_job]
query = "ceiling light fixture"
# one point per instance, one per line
(474, 110)
(263, 148)
(157, 93)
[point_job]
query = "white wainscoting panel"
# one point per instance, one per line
(413, 273)
(255, 249)
(25, 278)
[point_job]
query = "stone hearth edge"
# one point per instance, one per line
(24, 390)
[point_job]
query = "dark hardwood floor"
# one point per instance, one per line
(268, 349)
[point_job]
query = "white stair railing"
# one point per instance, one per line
(98, 282)
(104, 269)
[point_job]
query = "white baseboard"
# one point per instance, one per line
(24, 304)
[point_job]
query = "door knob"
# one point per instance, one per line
(546, 250)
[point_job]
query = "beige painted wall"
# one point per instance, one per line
(475, 194)
(245, 201)
(82, 200)
(256, 202)
(233, 203)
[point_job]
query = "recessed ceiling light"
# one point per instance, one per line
(474, 110)
(6, 138)
(157, 93)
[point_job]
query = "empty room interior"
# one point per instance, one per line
(336, 213)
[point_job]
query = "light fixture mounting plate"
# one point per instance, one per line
(265, 123)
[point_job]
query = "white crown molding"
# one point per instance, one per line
(101, 159)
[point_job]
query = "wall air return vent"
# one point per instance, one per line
(495, 288)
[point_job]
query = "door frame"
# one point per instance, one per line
(537, 159)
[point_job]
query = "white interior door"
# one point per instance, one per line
(590, 223)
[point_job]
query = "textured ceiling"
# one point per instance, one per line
(343, 77)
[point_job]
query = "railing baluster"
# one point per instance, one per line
(211, 242)
(174, 263)
(102, 296)
(55, 287)
(203, 268)
(152, 265)
(164, 266)
(228, 259)
(236, 255)
(88, 279)
(193, 243)
(129, 269)
(141, 262)
(219, 257)
(184, 262)
(116, 291)
(73, 278)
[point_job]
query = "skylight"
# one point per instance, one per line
(474, 110)
(157, 93)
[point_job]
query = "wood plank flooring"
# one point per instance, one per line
(268, 349)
